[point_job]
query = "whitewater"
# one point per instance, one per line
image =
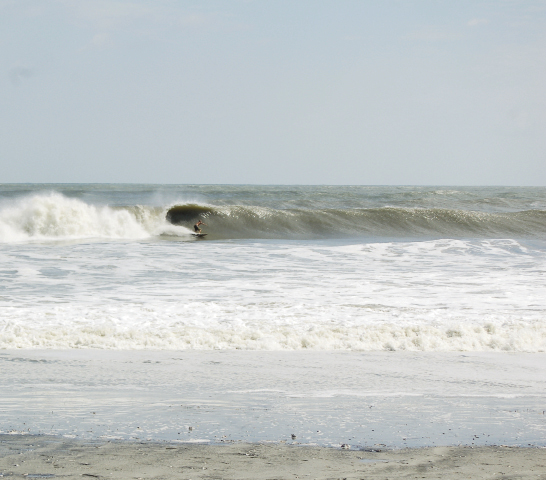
(282, 268)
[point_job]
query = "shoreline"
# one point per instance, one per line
(396, 399)
(31, 456)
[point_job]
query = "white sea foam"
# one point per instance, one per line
(238, 328)
(436, 295)
(53, 216)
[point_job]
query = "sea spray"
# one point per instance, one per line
(53, 216)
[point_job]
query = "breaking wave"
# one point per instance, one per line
(260, 222)
(56, 217)
(53, 216)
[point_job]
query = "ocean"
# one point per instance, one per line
(394, 316)
(282, 267)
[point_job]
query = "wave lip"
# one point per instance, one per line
(238, 221)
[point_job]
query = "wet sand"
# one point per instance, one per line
(399, 399)
(23, 456)
(231, 415)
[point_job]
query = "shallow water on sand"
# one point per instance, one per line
(364, 400)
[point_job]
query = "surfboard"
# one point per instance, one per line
(199, 235)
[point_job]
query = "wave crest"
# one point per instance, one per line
(259, 222)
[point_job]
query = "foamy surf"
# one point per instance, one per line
(444, 295)
(223, 327)
(53, 216)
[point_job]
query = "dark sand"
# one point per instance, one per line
(24, 456)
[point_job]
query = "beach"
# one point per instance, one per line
(39, 457)
(410, 343)
(272, 240)
(361, 399)
(272, 415)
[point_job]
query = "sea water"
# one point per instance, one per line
(282, 268)
(370, 273)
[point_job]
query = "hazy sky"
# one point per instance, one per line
(276, 92)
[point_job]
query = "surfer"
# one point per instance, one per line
(196, 226)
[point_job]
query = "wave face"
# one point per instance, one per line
(236, 221)
(269, 213)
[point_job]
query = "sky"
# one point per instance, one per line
(356, 92)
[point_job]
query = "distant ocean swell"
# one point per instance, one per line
(54, 216)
